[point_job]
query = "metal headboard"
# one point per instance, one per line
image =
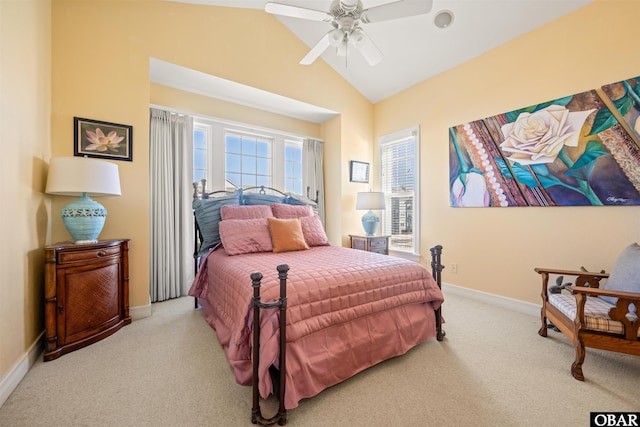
(200, 192)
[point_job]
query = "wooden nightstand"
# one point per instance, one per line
(86, 294)
(378, 244)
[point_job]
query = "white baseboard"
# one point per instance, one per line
(140, 312)
(10, 381)
(493, 299)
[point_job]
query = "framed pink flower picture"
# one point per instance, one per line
(93, 138)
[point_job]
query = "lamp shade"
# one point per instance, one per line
(73, 176)
(84, 177)
(370, 200)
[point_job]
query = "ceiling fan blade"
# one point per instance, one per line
(369, 50)
(395, 10)
(296, 12)
(317, 50)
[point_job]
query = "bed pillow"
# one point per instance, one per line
(297, 199)
(625, 274)
(245, 212)
(245, 236)
(284, 211)
(207, 213)
(286, 235)
(260, 199)
(313, 231)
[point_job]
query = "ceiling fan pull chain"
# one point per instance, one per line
(346, 53)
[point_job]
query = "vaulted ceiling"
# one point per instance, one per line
(416, 48)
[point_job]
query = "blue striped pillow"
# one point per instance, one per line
(207, 212)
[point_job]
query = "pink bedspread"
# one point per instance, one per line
(347, 310)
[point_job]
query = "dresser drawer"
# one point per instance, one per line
(382, 251)
(360, 244)
(377, 243)
(87, 255)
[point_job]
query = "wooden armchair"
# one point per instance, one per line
(587, 319)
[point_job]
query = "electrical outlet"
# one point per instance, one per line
(454, 268)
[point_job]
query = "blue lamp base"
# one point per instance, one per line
(370, 223)
(84, 219)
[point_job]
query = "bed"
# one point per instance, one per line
(346, 309)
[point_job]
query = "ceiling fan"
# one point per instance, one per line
(346, 18)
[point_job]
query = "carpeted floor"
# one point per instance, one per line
(169, 370)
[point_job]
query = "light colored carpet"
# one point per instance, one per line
(169, 370)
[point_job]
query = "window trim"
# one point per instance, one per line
(395, 137)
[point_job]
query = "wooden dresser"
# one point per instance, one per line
(378, 244)
(86, 294)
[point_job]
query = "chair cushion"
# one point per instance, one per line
(596, 312)
(625, 274)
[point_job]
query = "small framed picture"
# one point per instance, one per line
(359, 171)
(93, 138)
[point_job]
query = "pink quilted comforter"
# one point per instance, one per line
(347, 310)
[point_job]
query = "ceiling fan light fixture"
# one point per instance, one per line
(443, 19)
(336, 37)
(357, 37)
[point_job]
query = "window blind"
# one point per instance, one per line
(398, 179)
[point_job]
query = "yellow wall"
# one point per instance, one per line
(25, 85)
(496, 249)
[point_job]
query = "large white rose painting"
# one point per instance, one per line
(550, 154)
(538, 137)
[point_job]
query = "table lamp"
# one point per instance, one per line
(84, 177)
(369, 201)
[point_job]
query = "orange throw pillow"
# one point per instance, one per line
(286, 235)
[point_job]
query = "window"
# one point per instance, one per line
(252, 157)
(199, 152)
(399, 181)
(247, 160)
(293, 166)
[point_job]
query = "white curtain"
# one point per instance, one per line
(171, 169)
(312, 154)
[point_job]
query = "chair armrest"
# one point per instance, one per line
(618, 312)
(571, 272)
(592, 279)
